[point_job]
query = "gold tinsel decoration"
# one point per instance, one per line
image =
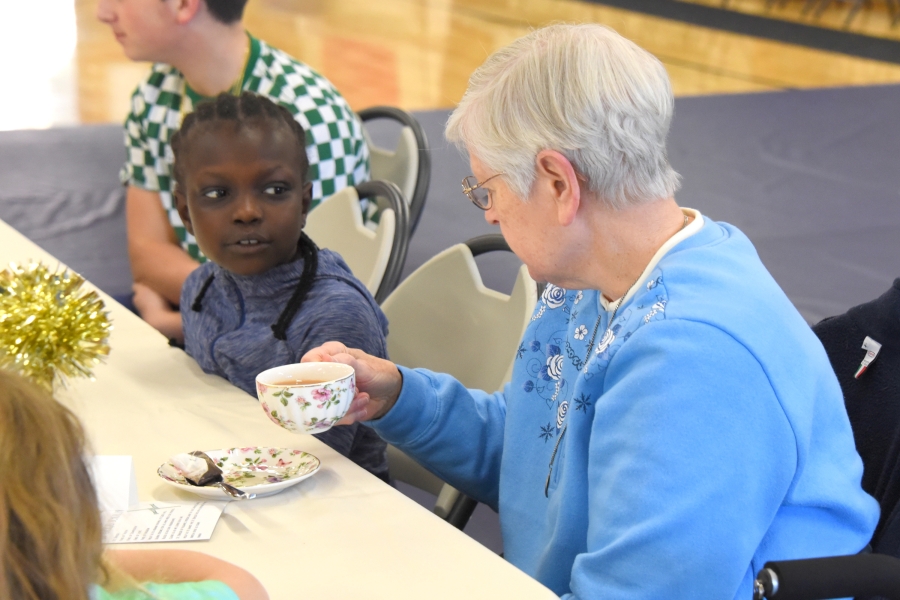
(50, 328)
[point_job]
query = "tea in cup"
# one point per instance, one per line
(307, 397)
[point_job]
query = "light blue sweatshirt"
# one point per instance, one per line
(705, 435)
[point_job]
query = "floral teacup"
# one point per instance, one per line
(306, 397)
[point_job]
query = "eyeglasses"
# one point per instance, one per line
(479, 196)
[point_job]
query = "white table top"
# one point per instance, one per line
(339, 534)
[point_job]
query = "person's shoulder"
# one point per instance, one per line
(161, 82)
(193, 590)
(718, 267)
(714, 298)
(269, 54)
(334, 277)
(732, 292)
(197, 279)
(160, 78)
(881, 310)
(337, 291)
(295, 83)
(876, 318)
(199, 590)
(339, 307)
(332, 263)
(277, 60)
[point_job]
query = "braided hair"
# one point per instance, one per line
(249, 110)
(244, 110)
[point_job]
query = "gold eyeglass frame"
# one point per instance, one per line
(468, 189)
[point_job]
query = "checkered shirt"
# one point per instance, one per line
(338, 155)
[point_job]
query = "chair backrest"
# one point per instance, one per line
(479, 329)
(400, 165)
(408, 165)
(376, 257)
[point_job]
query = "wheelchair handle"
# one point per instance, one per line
(831, 577)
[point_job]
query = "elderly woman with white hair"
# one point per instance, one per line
(672, 423)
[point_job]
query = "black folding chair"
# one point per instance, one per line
(408, 165)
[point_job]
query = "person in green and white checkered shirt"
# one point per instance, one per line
(201, 49)
(337, 152)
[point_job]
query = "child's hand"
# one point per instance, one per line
(157, 311)
(148, 302)
(378, 381)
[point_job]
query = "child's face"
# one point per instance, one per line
(244, 195)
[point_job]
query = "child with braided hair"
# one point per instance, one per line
(199, 49)
(267, 294)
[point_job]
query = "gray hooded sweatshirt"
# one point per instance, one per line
(231, 333)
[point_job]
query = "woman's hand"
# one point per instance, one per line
(378, 381)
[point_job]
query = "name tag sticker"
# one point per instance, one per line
(872, 349)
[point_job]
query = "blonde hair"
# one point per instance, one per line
(582, 90)
(50, 528)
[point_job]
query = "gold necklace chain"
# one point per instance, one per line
(619, 303)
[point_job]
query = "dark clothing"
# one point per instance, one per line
(873, 401)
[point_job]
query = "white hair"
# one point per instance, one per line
(582, 90)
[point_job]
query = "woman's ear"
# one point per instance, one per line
(558, 179)
(182, 208)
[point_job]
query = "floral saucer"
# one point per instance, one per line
(261, 471)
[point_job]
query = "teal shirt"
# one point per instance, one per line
(200, 590)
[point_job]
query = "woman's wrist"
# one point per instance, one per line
(394, 395)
